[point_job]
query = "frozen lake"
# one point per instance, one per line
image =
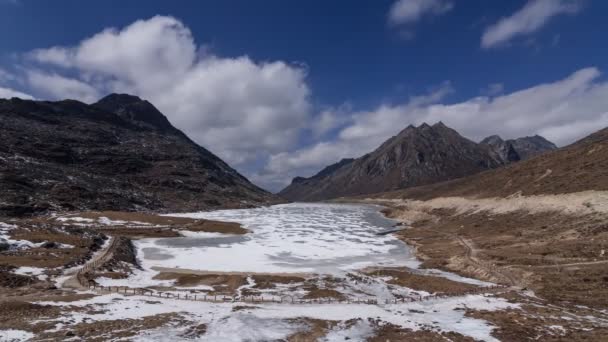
(288, 238)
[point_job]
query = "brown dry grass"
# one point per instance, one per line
(535, 322)
(183, 223)
(268, 281)
(316, 293)
(317, 329)
(112, 329)
(222, 283)
(579, 167)
(403, 277)
(390, 332)
(526, 247)
(48, 257)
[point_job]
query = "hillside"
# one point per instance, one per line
(513, 150)
(416, 156)
(120, 153)
(580, 166)
(538, 224)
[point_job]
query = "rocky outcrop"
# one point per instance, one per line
(513, 150)
(581, 166)
(120, 153)
(416, 156)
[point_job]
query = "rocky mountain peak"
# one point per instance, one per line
(518, 149)
(440, 124)
(417, 155)
(135, 110)
(120, 153)
(492, 139)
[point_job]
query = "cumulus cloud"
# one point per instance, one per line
(493, 89)
(411, 11)
(239, 108)
(7, 93)
(253, 113)
(58, 86)
(531, 18)
(562, 111)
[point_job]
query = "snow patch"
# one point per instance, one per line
(12, 335)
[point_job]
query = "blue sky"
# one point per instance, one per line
(282, 88)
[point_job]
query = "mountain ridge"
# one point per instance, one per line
(119, 153)
(523, 148)
(415, 156)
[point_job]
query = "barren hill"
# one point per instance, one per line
(416, 156)
(120, 153)
(580, 166)
(518, 149)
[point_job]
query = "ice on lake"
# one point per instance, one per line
(288, 238)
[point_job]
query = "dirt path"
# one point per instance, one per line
(471, 253)
(582, 263)
(75, 280)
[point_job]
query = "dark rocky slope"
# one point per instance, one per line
(580, 166)
(416, 156)
(513, 150)
(120, 153)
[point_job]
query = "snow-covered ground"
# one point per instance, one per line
(12, 244)
(290, 238)
(326, 241)
(31, 271)
(270, 322)
(311, 238)
(12, 335)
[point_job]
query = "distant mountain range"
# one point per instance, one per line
(518, 149)
(581, 166)
(120, 153)
(416, 156)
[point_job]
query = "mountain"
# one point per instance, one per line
(120, 153)
(416, 156)
(518, 149)
(580, 166)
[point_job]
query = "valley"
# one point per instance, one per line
(295, 272)
(125, 229)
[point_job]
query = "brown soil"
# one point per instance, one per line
(12, 280)
(222, 283)
(390, 332)
(179, 223)
(315, 293)
(195, 331)
(139, 233)
(243, 308)
(112, 329)
(316, 330)
(263, 281)
(405, 278)
(534, 322)
(520, 249)
(578, 167)
(21, 315)
(84, 243)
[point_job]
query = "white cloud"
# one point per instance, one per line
(7, 93)
(58, 86)
(531, 18)
(411, 11)
(238, 108)
(493, 89)
(251, 112)
(561, 111)
(6, 76)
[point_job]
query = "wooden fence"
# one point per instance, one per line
(283, 299)
(108, 252)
